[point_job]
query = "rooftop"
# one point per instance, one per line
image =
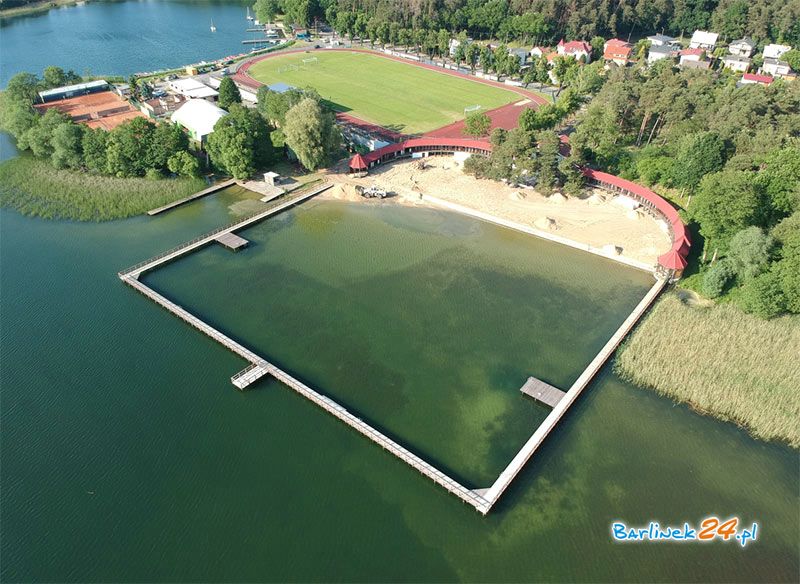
(199, 116)
(104, 109)
(73, 88)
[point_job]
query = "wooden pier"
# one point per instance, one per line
(198, 242)
(232, 241)
(551, 421)
(481, 499)
(197, 195)
(543, 392)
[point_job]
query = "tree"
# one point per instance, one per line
(698, 155)
(228, 93)
(477, 124)
(38, 138)
(472, 53)
(127, 148)
(571, 175)
(266, 10)
(16, 116)
(94, 149)
(183, 164)
(548, 160)
(241, 143)
(56, 77)
(727, 202)
(793, 58)
(67, 143)
(716, 278)
(486, 60)
(311, 133)
(781, 179)
(23, 87)
(763, 295)
(166, 140)
(748, 252)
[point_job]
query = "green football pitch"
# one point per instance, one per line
(396, 95)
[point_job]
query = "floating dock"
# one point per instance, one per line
(543, 392)
(232, 241)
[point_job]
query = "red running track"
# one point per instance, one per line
(503, 117)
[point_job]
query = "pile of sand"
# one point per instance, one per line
(518, 196)
(557, 198)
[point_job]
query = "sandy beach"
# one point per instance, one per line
(596, 218)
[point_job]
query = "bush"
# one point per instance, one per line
(717, 278)
(763, 295)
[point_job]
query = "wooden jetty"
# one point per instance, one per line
(189, 246)
(212, 189)
(482, 499)
(551, 421)
(232, 241)
(543, 392)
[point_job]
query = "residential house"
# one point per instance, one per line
(776, 67)
(687, 55)
(617, 51)
(575, 49)
(540, 51)
(703, 39)
(774, 51)
(161, 106)
(752, 78)
(662, 40)
(736, 63)
(744, 47)
(658, 52)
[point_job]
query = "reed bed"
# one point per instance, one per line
(722, 362)
(33, 187)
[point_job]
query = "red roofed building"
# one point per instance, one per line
(575, 49)
(617, 51)
(750, 78)
(358, 164)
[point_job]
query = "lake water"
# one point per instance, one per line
(128, 456)
(120, 38)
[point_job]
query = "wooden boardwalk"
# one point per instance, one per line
(481, 499)
(543, 392)
(189, 246)
(551, 421)
(197, 195)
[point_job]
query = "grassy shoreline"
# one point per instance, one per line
(33, 187)
(36, 7)
(722, 362)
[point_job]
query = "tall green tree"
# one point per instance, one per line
(228, 93)
(241, 143)
(477, 124)
(266, 10)
(67, 143)
(311, 133)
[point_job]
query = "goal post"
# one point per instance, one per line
(310, 61)
(471, 109)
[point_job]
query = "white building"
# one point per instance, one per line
(776, 51)
(198, 117)
(454, 44)
(776, 67)
(658, 52)
(192, 89)
(662, 40)
(703, 39)
(692, 55)
(736, 63)
(742, 47)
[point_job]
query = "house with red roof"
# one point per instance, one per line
(617, 51)
(694, 58)
(575, 49)
(753, 78)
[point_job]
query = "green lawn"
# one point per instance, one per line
(395, 95)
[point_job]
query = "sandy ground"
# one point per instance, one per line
(596, 218)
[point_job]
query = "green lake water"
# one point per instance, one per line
(127, 455)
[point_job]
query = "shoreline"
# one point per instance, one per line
(38, 7)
